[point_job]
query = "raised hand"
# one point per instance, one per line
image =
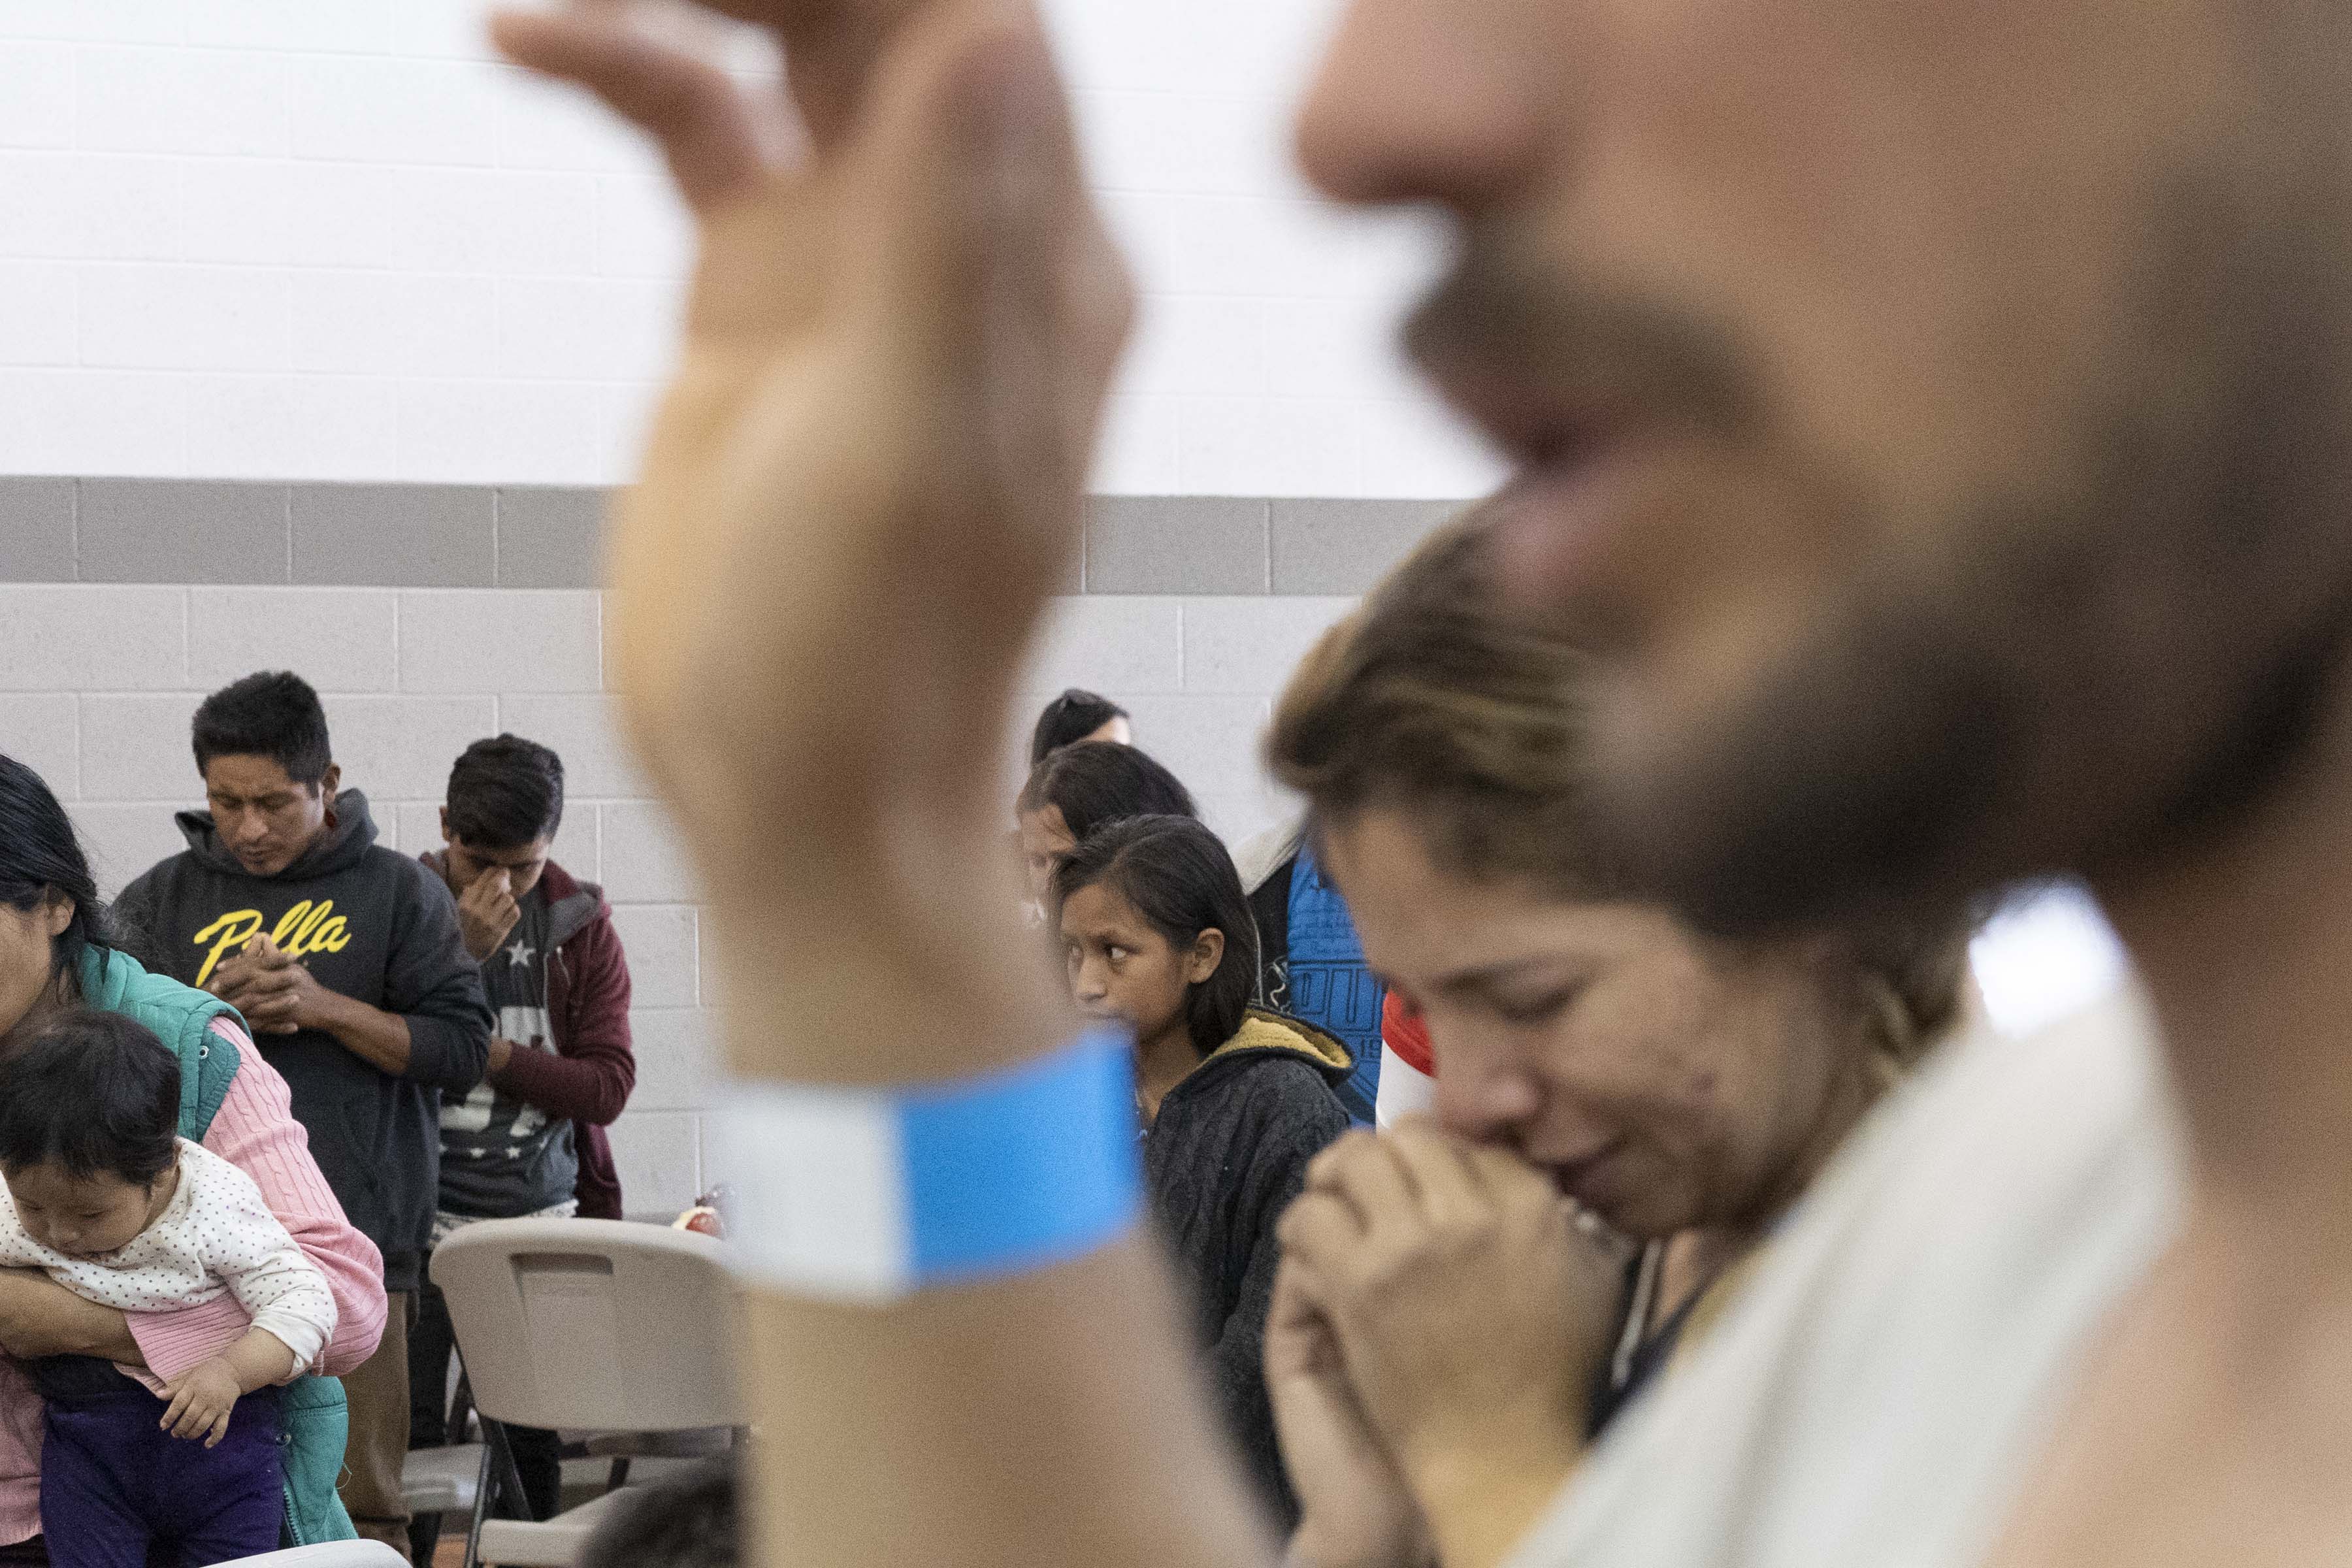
(862, 485)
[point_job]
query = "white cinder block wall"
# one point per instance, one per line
(98, 683)
(336, 239)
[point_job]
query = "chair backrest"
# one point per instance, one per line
(593, 1323)
(327, 1554)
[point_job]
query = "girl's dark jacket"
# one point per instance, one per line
(1224, 1158)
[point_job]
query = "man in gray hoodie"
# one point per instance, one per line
(346, 959)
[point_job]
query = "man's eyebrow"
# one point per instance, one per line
(1489, 977)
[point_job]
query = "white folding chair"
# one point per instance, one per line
(327, 1554)
(585, 1324)
(444, 1480)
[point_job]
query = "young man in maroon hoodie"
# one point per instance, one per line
(529, 1140)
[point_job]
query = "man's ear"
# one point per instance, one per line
(330, 783)
(1208, 951)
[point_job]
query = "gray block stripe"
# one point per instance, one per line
(63, 530)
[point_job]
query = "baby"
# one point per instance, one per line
(105, 1198)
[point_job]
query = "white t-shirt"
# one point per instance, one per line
(1891, 1374)
(217, 1234)
(1405, 1090)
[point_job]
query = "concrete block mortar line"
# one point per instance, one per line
(694, 945)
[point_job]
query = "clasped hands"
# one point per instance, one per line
(274, 991)
(1437, 1327)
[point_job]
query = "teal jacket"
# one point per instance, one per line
(317, 1421)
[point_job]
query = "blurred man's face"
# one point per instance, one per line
(1932, 416)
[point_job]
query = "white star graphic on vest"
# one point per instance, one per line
(519, 953)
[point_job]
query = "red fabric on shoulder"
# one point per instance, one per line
(1403, 1032)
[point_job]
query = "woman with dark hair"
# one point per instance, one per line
(1076, 716)
(1235, 1101)
(1681, 1088)
(56, 953)
(1077, 790)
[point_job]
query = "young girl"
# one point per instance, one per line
(1235, 1101)
(105, 1199)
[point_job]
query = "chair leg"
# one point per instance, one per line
(619, 1474)
(461, 1405)
(424, 1530)
(495, 1446)
(483, 1485)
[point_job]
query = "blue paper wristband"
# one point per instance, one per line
(869, 1194)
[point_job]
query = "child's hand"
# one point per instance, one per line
(201, 1399)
